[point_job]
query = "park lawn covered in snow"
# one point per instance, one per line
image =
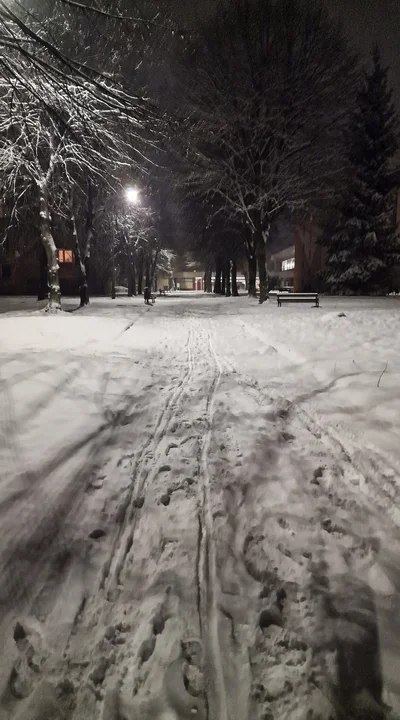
(342, 359)
(186, 490)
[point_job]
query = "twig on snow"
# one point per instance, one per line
(382, 373)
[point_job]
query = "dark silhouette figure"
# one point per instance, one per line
(147, 295)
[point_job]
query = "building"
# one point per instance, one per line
(183, 280)
(281, 265)
(310, 258)
(300, 265)
(22, 272)
(186, 274)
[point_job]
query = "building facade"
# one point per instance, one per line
(281, 265)
(22, 272)
(300, 265)
(309, 258)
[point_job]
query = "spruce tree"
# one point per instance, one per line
(365, 245)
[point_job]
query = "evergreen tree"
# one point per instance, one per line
(364, 245)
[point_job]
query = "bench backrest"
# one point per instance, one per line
(298, 295)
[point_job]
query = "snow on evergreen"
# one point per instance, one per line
(364, 245)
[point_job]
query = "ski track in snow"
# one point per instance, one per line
(205, 542)
(214, 662)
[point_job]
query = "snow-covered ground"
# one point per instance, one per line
(199, 509)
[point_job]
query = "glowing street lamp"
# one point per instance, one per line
(132, 195)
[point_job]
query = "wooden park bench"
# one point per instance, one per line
(297, 297)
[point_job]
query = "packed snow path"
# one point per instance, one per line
(200, 510)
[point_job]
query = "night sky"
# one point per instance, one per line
(369, 21)
(366, 22)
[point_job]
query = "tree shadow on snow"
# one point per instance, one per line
(285, 524)
(38, 527)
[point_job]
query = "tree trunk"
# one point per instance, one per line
(113, 288)
(131, 276)
(140, 265)
(252, 276)
(228, 278)
(148, 274)
(218, 273)
(208, 281)
(235, 292)
(262, 274)
(83, 284)
(246, 279)
(50, 249)
(261, 238)
(153, 271)
(88, 243)
(223, 279)
(134, 290)
(43, 291)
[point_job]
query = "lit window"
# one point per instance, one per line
(288, 264)
(65, 256)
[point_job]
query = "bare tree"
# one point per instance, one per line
(28, 29)
(131, 244)
(266, 88)
(47, 139)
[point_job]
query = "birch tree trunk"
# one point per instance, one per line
(49, 245)
(43, 290)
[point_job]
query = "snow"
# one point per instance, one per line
(203, 489)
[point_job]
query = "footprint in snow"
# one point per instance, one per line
(97, 534)
(171, 446)
(165, 499)
(164, 468)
